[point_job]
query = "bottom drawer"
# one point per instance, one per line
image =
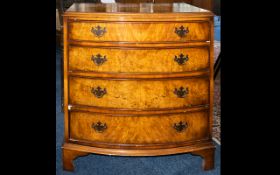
(150, 129)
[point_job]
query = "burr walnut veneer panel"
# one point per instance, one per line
(139, 129)
(140, 94)
(129, 60)
(139, 32)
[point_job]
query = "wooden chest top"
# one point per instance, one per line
(137, 10)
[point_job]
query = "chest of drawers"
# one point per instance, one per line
(138, 80)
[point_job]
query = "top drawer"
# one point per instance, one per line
(139, 32)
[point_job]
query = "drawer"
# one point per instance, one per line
(150, 129)
(138, 60)
(139, 94)
(139, 32)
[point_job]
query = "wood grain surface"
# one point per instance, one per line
(143, 110)
(131, 60)
(139, 129)
(139, 94)
(139, 32)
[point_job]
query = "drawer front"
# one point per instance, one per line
(139, 32)
(138, 129)
(138, 60)
(139, 94)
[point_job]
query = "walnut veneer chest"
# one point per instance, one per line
(138, 80)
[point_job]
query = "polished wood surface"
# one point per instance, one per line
(205, 4)
(208, 158)
(85, 74)
(69, 156)
(204, 149)
(154, 1)
(139, 94)
(131, 60)
(78, 148)
(139, 32)
(137, 45)
(139, 129)
(135, 8)
(140, 101)
(135, 12)
(65, 79)
(117, 111)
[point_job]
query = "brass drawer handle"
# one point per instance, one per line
(99, 127)
(181, 31)
(181, 92)
(98, 31)
(181, 126)
(181, 59)
(98, 59)
(98, 92)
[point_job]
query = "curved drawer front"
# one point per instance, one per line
(138, 129)
(138, 60)
(139, 94)
(139, 32)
